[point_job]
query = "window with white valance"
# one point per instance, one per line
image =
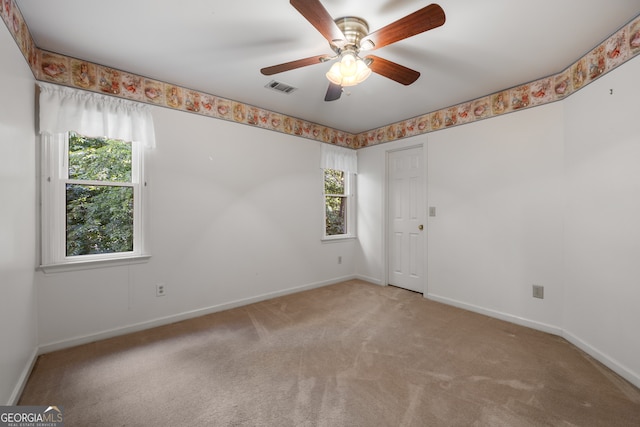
(339, 167)
(339, 158)
(92, 114)
(93, 177)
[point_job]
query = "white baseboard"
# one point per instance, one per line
(609, 362)
(498, 315)
(22, 380)
(79, 340)
(369, 279)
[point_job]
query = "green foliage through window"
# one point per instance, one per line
(99, 217)
(335, 202)
(99, 159)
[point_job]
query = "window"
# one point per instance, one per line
(92, 199)
(339, 167)
(92, 187)
(338, 215)
(335, 203)
(99, 196)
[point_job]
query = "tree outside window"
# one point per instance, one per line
(336, 202)
(99, 196)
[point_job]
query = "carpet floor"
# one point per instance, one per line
(351, 354)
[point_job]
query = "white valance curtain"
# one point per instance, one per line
(340, 158)
(64, 109)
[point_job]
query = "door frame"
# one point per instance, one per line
(386, 216)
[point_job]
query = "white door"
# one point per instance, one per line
(405, 239)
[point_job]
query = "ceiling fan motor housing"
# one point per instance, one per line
(354, 30)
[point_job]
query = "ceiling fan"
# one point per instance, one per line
(348, 36)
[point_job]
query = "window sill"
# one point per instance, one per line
(341, 238)
(94, 263)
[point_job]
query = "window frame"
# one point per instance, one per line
(54, 179)
(349, 194)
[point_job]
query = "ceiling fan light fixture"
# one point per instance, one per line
(350, 71)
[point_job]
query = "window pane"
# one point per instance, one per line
(99, 159)
(99, 219)
(336, 215)
(333, 181)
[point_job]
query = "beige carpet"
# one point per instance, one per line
(352, 354)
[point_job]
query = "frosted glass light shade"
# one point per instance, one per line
(348, 65)
(350, 71)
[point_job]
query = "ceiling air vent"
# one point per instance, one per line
(280, 87)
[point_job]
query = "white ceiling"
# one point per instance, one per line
(219, 47)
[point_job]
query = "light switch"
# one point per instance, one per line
(432, 211)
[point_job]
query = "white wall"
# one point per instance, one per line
(18, 334)
(547, 196)
(236, 216)
(602, 227)
(496, 185)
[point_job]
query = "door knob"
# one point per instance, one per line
(421, 227)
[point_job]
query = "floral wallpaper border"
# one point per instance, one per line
(617, 49)
(60, 69)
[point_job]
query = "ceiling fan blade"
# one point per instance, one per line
(393, 71)
(334, 92)
(275, 69)
(318, 16)
(425, 19)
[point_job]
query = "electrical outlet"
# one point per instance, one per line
(538, 291)
(161, 289)
(340, 259)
